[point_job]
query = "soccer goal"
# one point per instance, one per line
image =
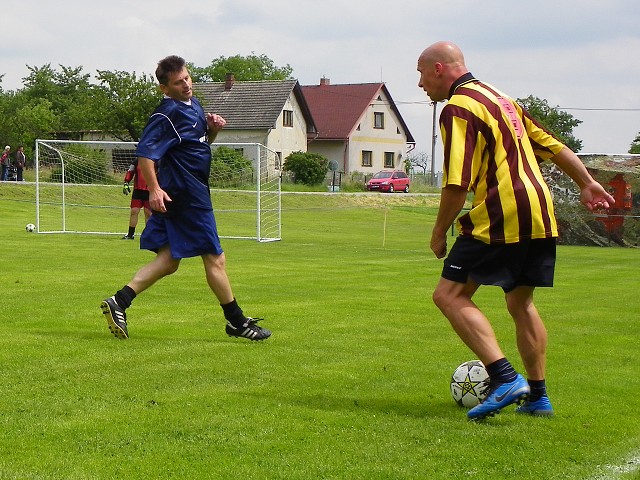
(79, 189)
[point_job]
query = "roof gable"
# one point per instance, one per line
(337, 108)
(252, 105)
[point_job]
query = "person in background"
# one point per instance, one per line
(139, 198)
(5, 160)
(508, 239)
(177, 141)
(21, 161)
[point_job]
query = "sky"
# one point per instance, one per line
(582, 56)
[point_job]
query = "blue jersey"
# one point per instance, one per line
(176, 139)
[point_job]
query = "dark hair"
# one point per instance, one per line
(167, 66)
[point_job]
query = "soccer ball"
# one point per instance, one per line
(468, 383)
(30, 227)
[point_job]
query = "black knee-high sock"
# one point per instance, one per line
(501, 371)
(233, 313)
(125, 296)
(538, 389)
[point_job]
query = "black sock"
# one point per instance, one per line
(538, 389)
(132, 231)
(233, 313)
(501, 371)
(125, 296)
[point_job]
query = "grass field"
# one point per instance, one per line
(354, 383)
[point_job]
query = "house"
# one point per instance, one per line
(359, 126)
(271, 112)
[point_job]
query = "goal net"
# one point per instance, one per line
(79, 188)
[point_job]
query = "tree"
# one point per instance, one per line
(558, 122)
(251, 67)
(635, 145)
(307, 168)
(125, 103)
(420, 161)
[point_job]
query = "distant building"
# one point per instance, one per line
(273, 113)
(359, 126)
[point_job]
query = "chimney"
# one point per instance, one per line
(229, 81)
(325, 81)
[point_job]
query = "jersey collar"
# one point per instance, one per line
(466, 78)
(186, 102)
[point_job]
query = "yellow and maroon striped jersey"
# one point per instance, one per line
(492, 148)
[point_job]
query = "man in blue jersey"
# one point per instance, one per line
(174, 155)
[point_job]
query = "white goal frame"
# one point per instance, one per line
(57, 201)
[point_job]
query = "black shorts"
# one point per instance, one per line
(526, 263)
(140, 194)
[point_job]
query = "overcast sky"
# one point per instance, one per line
(580, 55)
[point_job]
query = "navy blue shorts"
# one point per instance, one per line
(190, 233)
(526, 263)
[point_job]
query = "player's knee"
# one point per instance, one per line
(441, 298)
(171, 266)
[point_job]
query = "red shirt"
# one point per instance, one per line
(135, 173)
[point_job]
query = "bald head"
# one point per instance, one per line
(440, 65)
(444, 52)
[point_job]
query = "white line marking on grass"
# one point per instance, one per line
(613, 472)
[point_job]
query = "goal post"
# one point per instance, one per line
(79, 189)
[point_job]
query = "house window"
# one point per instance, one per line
(366, 158)
(388, 159)
(378, 120)
(287, 118)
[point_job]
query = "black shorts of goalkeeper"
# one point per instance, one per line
(529, 263)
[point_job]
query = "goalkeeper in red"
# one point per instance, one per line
(176, 143)
(139, 197)
(508, 239)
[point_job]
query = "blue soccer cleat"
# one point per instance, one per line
(499, 396)
(540, 408)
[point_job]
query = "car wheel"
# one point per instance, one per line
(406, 188)
(391, 188)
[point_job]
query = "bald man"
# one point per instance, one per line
(492, 148)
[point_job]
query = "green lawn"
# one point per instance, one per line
(353, 384)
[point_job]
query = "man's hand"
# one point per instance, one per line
(215, 123)
(126, 189)
(157, 200)
(439, 245)
(595, 197)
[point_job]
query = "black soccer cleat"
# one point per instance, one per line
(116, 318)
(248, 330)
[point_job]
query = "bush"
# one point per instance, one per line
(82, 165)
(307, 168)
(229, 168)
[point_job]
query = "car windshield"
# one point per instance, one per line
(383, 175)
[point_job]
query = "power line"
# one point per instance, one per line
(601, 109)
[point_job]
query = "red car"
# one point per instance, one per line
(389, 181)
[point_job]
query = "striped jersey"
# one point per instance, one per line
(492, 148)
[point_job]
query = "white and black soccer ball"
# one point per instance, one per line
(30, 227)
(468, 383)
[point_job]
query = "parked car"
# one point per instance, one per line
(389, 181)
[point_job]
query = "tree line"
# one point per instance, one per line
(66, 100)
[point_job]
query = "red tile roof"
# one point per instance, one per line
(336, 109)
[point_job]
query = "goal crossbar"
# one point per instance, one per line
(79, 189)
